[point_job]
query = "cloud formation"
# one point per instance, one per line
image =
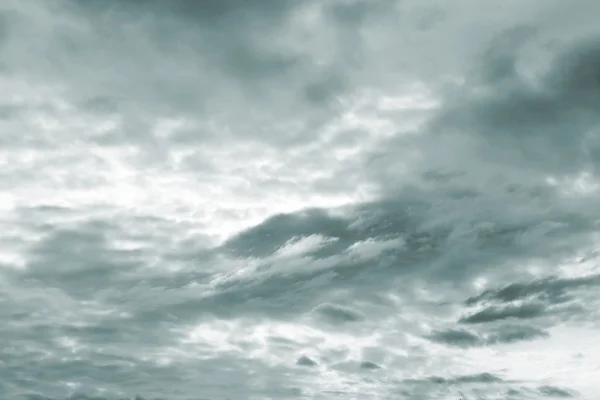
(314, 198)
(504, 334)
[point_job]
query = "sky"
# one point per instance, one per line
(299, 199)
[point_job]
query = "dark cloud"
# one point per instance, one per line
(207, 12)
(553, 391)
(78, 261)
(254, 63)
(498, 62)
(547, 125)
(484, 377)
(516, 119)
(463, 197)
(305, 361)
(265, 238)
(492, 314)
(229, 55)
(432, 231)
(337, 314)
(500, 335)
(483, 197)
(515, 333)
(554, 290)
(6, 21)
(456, 337)
(368, 365)
(429, 254)
(554, 297)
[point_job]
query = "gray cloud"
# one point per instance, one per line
(516, 333)
(177, 58)
(430, 229)
(485, 377)
(546, 124)
(264, 239)
(456, 337)
(337, 314)
(272, 74)
(305, 362)
(515, 119)
(552, 297)
(491, 314)
(252, 108)
(554, 290)
(502, 334)
(553, 391)
(253, 63)
(549, 126)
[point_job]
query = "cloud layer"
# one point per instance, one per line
(299, 199)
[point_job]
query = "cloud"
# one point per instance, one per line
(516, 333)
(554, 290)
(491, 314)
(264, 239)
(337, 314)
(552, 391)
(550, 126)
(456, 337)
(554, 297)
(485, 377)
(364, 164)
(503, 334)
(305, 361)
(186, 87)
(181, 58)
(499, 122)
(223, 111)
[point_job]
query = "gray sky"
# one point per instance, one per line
(262, 163)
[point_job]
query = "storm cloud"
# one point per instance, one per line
(299, 198)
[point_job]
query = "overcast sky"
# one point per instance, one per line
(408, 188)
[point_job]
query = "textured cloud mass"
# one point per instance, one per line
(299, 199)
